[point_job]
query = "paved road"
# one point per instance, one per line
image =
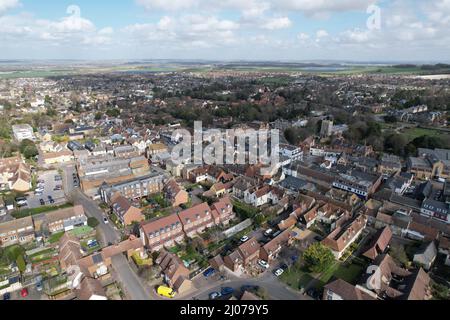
(107, 231)
(129, 279)
(275, 289)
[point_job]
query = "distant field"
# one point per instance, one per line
(322, 70)
(414, 133)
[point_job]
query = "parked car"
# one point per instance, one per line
(105, 220)
(166, 292)
(209, 272)
(39, 286)
(268, 232)
(58, 178)
(226, 291)
(284, 266)
(278, 272)
(7, 296)
(24, 293)
(263, 264)
(245, 239)
(214, 295)
(42, 202)
(249, 288)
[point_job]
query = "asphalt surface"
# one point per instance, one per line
(129, 280)
(107, 231)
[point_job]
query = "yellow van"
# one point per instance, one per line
(166, 292)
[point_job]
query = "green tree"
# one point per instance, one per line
(318, 258)
(93, 222)
(28, 149)
(98, 115)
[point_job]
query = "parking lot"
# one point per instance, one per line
(49, 191)
(33, 295)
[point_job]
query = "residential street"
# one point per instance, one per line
(129, 280)
(107, 231)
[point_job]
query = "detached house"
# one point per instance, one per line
(124, 211)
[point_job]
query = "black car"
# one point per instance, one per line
(7, 296)
(249, 288)
(284, 266)
(42, 202)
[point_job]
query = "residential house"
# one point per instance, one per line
(196, 219)
(91, 289)
(124, 211)
(175, 194)
(15, 174)
(51, 158)
(19, 231)
(426, 255)
(391, 282)
(343, 236)
(162, 233)
(222, 211)
(271, 250)
(65, 219)
(379, 243)
(436, 209)
(176, 275)
(244, 256)
(157, 148)
(342, 290)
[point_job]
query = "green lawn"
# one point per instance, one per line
(44, 209)
(351, 274)
(296, 278)
(81, 231)
(414, 133)
(55, 237)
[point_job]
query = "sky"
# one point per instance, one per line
(281, 30)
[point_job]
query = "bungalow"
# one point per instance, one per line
(124, 211)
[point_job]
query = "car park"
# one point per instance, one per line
(226, 291)
(214, 295)
(264, 264)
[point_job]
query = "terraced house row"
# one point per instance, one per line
(168, 231)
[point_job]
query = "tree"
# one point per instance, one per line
(318, 258)
(28, 149)
(93, 222)
(396, 144)
(98, 116)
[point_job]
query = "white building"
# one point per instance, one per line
(22, 132)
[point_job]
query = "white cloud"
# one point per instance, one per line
(322, 34)
(277, 23)
(6, 5)
(303, 36)
(167, 5)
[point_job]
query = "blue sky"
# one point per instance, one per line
(401, 30)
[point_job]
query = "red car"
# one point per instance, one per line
(24, 293)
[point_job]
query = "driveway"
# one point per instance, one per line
(108, 233)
